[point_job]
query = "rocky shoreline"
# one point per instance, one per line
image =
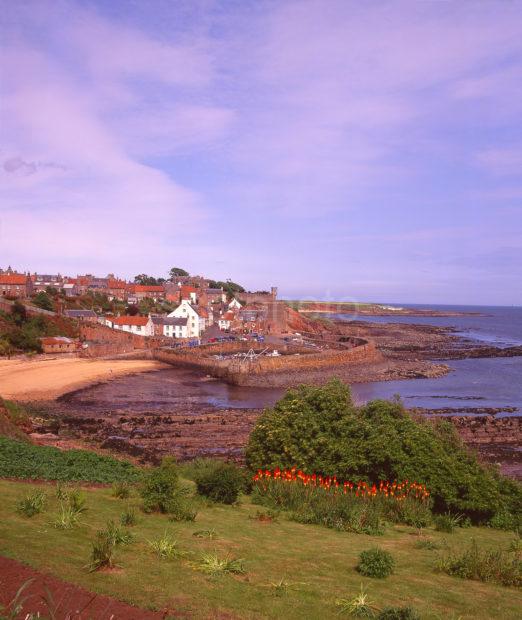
(199, 431)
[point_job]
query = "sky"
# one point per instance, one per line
(340, 150)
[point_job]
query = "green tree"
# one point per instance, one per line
(230, 288)
(320, 429)
(19, 313)
(145, 280)
(52, 291)
(43, 300)
(177, 272)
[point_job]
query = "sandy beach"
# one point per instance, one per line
(47, 378)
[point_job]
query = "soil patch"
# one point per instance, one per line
(69, 601)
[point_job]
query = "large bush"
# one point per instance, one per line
(319, 429)
(220, 482)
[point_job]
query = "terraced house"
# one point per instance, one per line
(139, 325)
(15, 285)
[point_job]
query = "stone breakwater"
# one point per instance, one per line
(293, 363)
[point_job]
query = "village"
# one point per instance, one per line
(183, 310)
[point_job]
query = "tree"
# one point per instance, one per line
(43, 300)
(177, 272)
(319, 429)
(230, 288)
(145, 280)
(52, 291)
(132, 310)
(19, 313)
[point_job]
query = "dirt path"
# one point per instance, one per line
(66, 601)
(48, 378)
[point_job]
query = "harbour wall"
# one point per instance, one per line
(267, 370)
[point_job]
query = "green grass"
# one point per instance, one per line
(24, 460)
(319, 562)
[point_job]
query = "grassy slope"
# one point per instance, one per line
(320, 562)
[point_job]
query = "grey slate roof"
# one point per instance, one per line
(81, 314)
(165, 320)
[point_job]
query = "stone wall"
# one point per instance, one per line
(294, 360)
(7, 305)
(103, 341)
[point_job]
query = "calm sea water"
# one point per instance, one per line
(500, 326)
(489, 382)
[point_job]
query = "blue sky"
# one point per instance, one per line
(340, 150)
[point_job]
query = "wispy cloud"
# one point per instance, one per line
(340, 142)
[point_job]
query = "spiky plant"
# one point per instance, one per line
(212, 564)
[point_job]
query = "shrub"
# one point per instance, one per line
(67, 518)
(426, 543)
(410, 512)
(121, 490)
(483, 565)
(24, 460)
(32, 504)
(161, 491)
(180, 508)
(104, 545)
(71, 508)
(505, 520)
(128, 517)
(359, 606)
(375, 562)
(159, 486)
(320, 429)
(398, 613)
(211, 564)
(447, 522)
(166, 547)
(221, 482)
(116, 534)
(102, 553)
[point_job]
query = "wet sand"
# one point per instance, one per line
(44, 378)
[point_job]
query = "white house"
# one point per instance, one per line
(171, 327)
(234, 305)
(139, 325)
(225, 320)
(196, 317)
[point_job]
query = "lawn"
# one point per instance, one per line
(318, 563)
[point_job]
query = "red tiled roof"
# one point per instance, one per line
(12, 278)
(144, 288)
(130, 320)
(186, 290)
(228, 316)
(116, 284)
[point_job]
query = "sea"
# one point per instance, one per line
(471, 383)
(488, 382)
